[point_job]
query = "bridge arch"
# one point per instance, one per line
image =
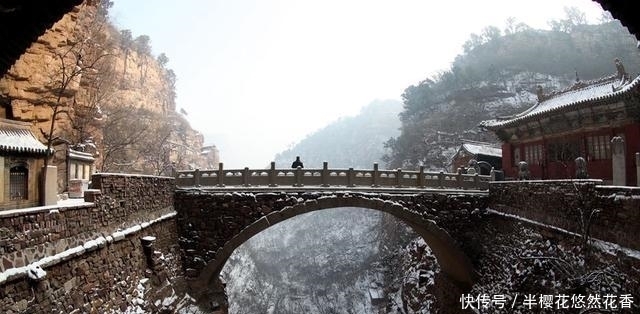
(453, 262)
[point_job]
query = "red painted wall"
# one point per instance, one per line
(597, 169)
(632, 138)
(507, 161)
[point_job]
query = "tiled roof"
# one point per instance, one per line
(482, 149)
(581, 93)
(16, 137)
(77, 155)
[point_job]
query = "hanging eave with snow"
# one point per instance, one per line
(479, 148)
(16, 138)
(82, 156)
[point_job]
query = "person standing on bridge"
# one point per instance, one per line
(297, 163)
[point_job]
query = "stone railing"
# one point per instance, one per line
(326, 178)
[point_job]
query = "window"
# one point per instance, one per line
(18, 182)
(72, 170)
(599, 147)
(563, 151)
(533, 154)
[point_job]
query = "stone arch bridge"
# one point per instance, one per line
(218, 210)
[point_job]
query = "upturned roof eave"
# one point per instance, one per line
(523, 117)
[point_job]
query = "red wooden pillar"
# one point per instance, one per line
(632, 146)
(507, 160)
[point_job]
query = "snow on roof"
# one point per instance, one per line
(16, 137)
(580, 93)
(78, 155)
(478, 148)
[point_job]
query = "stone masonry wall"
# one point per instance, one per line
(206, 221)
(123, 201)
(569, 204)
(92, 252)
(95, 282)
(212, 224)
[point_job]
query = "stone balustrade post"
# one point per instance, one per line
(618, 161)
(441, 179)
(350, 177)
(147, 247)
(460, 180)
(376, 175)
(420, 181)
(196, 177)
(476, 181)
(272, 175)
(324, 174)
(398, 178)
(245, 177)
(220, 175)
(298, 176)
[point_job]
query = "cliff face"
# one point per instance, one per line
(106, 94)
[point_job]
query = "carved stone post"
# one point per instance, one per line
(220, 175)
(399, 178)
(376, 174)
(51, 186)
(298, 175)
(245, 176)
(617, 161)
(476, 181)
(581, 168)
(523, 170)
(272, 174)
(196, 177)
(324, 175)
(147, 247)
(420, 182)
(441, 179)
(350, 177)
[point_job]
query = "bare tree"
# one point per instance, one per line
(127, 126)
(156, 148)
(142, 45)
(126, 42)
(80, 62)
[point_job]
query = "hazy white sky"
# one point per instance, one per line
(256, 76)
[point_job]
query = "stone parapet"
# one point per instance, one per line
(609, 213)
(27, 235)
(89, 251)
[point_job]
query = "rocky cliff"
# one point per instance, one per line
(106, 94)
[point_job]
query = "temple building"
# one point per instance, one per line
(598, 120)
(21, 160)
(486, 153)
